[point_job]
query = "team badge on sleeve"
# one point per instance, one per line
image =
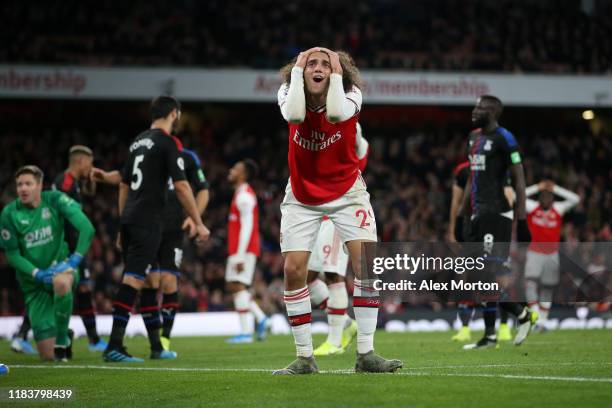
(6, 235)
(64, 199)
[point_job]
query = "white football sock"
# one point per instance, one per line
(531, 291)
(365, 304)
(242, 302)
(299, 311)
(336, 312)
(545, 303)
(319, 294)
(544, 312)
(256, 310)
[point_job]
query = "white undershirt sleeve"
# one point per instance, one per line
(245, 203)
(532, 190)
(570, 199)
(291, 98)
(361, 144)
(530, 205)
(341, 106)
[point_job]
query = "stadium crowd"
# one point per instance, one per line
(568, 36)
(409, 176)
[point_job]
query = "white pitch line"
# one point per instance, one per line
(263, 370)
(517, 365)
(123, 367)
(517, 377)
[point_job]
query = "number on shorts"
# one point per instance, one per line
(364, 214)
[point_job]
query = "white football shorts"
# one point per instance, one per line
(351, 215)
(328, 254)
(542, 267)
(246, 276)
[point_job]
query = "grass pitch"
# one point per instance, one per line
(560, 368)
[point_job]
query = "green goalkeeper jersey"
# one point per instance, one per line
(33, 238)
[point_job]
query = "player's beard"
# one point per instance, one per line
(175, 126)
(481, 122)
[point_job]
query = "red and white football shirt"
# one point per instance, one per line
(243, 207)
(323, 162)
(545, 227)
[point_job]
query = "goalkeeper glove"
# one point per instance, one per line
(522, 231)
(44, 275)
(75, 260)
(61, 267)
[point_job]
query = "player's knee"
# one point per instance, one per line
(235, 287)
(46, 349)
(293, 269)
(152, 281)
(62, 284)
(169, 282)
(47, 355)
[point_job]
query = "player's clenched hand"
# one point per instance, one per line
(334, 60)
(303, 56)
(97, 174)
(189, 226)
(546, 185)
(549, 185)
(202, 233)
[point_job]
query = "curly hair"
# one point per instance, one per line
(350, 74)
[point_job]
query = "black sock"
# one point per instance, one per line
(149, 308)
(25, 327)
(86, 310)
(466, 309)
(503, 315)
(489, 314)
(168, 311)
(122, 306)
(516, 308)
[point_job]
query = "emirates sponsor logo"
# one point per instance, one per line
(542, 220)
(318, 140)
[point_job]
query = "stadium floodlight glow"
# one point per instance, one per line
(588, 115)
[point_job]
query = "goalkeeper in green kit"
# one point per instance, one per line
(32, 233)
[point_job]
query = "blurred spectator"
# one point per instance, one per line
(441, 35)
